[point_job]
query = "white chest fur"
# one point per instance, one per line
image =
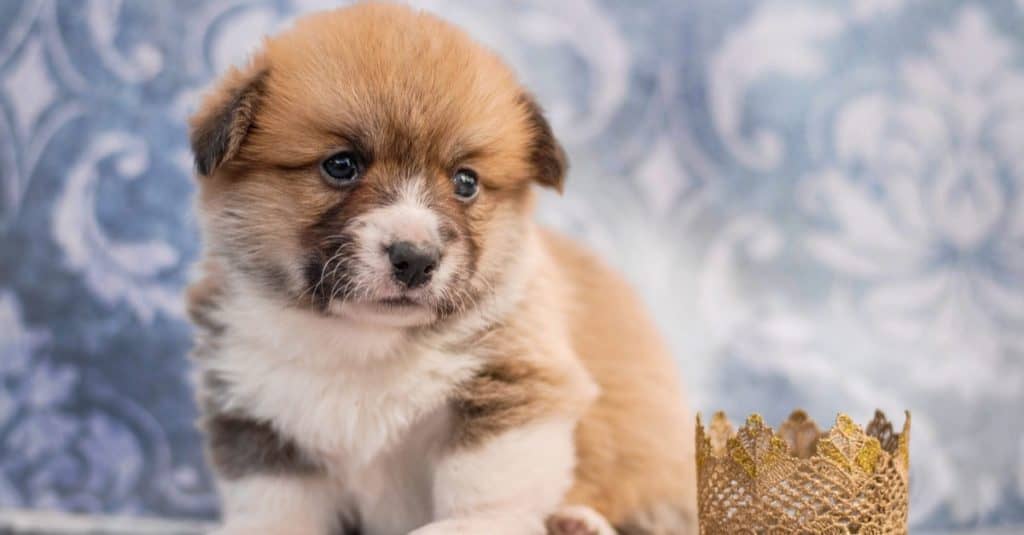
(345, 392)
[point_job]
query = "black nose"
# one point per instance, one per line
(411, 265)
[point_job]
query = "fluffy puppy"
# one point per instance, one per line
(387, 342)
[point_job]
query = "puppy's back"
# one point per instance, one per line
(635, 444)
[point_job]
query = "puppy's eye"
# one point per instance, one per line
(467, 185)
(341, 169)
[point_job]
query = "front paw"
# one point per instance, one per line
(578, 520)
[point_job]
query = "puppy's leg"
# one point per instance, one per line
(286, 505)
(267, 483)
(507, 485)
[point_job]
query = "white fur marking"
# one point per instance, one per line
(286, 505)
(507, 485)
(335, 388)
(408, 219)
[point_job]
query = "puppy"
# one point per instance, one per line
(387, 343)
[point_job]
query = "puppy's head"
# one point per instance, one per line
(371, 162)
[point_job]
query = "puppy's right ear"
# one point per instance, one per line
(547, 155)
(225, 117)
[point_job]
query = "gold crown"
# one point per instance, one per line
(800, 480)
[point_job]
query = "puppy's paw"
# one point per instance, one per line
(578, 520)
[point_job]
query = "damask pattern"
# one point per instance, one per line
(823, 201)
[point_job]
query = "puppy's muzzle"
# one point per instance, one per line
(412, 266)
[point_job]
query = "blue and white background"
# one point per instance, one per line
(823, 201)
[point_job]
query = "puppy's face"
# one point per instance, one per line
(372, 163)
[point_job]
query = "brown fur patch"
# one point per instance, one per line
(330, 243)
(240, 446)
(502, 395)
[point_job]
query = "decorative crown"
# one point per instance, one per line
(800, 480)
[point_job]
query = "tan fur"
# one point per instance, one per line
(635, 444)
(548, 333)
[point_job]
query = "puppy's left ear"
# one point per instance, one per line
(547, 155)
(225, 117)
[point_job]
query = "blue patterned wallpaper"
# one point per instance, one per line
(823, 201)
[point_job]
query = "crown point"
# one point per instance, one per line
(798, 416)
